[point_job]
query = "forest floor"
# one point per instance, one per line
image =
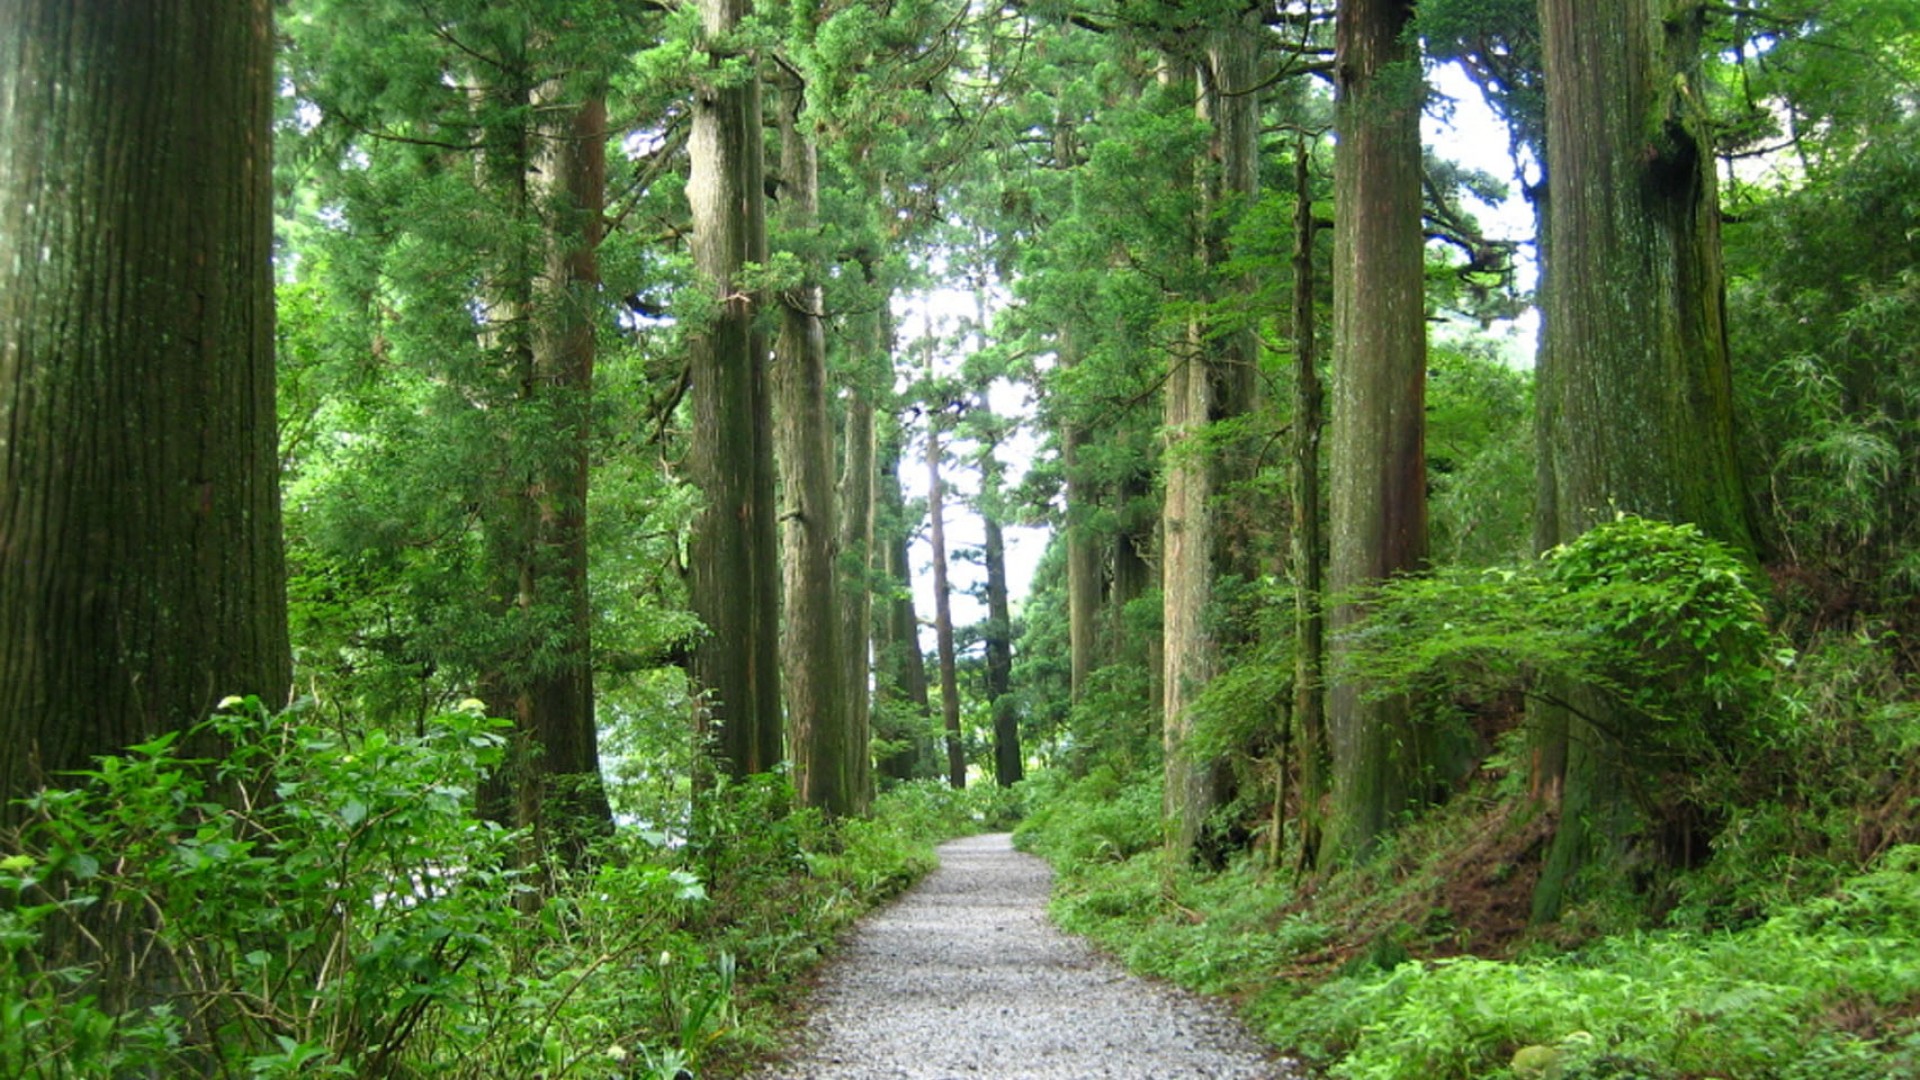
(964, 976)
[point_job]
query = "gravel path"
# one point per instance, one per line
(965, 977)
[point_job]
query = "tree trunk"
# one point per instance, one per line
(1639, 390)
(856, 501)
(902, 665)
(141, 573)
(1218, 383)
(813, 667)
(1084, 585)
(1008, 761)
(733, 581)
(1309, 696)
(1377, 461)
(563, 799)
(943, 611)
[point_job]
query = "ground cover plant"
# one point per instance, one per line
(316, 902)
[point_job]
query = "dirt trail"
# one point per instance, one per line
(965, 977)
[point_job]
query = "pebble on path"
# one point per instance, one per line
(964, 977)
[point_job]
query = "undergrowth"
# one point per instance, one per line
(319, 903)
(1787, 954)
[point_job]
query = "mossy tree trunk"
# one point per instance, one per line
(141, 572)
(1377, 496)
(1638, 397)
(733, 584)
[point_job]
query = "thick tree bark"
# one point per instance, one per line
(1218, 383)
(1378, 493)
(141, 574)
(734, 577)
(1638, 396)
(1309, 547)
(856, 501)
(813, 667)
(943, 611)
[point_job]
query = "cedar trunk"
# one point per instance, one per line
(813, 667)
(141, 574)
(902, 665)
(1377, 457)
(561, 796)
(1008, 761)
(1637, 394)
(856, 501)
(1215, 383)
(733, 582)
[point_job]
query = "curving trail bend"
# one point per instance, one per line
(963, 976)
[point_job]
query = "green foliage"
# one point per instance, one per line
(1821, 986)
(321, 901)
(1104, 816)
(1655, 615)
(1480, 458)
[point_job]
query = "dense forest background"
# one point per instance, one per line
(483, 483)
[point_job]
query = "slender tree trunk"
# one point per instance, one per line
(856, 501)
(1378, 496)
(562, 796)
(943, 611)
(1008, 761)
(1309, 696)
(734, 581)
(1639, 392)
(141, 574)
(814, 669)
(1084, 585)
(901, 662)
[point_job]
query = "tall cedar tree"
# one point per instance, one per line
(1216, 382)
(141, 574)
(813, 667)
(734, 581)
(1636, 404)
(555, 771)
(1377, 462)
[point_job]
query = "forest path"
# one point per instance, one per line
(963, 976)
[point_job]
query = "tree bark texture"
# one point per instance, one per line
(141, 572)
(813, 667)
(1208, 541)
(1637, 404)
(874, 350)
(1377, 460)
(734, 582)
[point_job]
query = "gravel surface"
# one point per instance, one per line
(965, 977)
